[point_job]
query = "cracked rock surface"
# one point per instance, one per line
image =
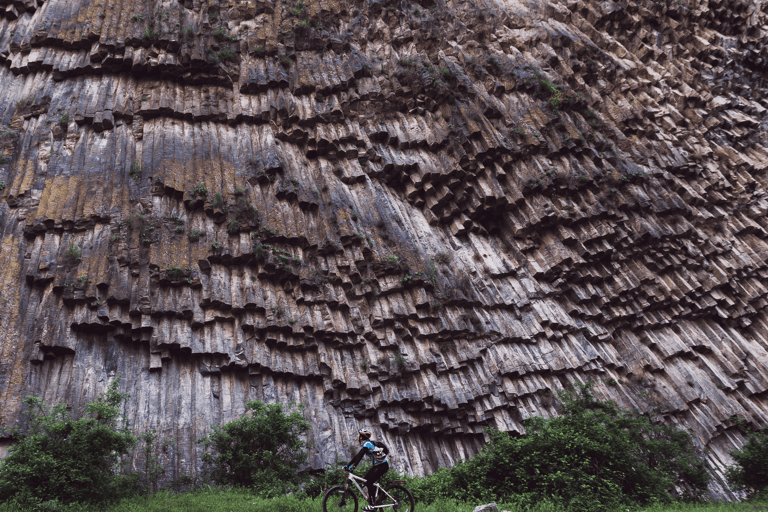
(425, 218)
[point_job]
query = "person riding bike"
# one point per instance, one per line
(378, 457)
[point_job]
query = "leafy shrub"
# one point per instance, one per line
(65, 459)
(400, 361)
(263, 449)
(595, 457)
(187, 33)
(751, 470)
(74, 252)
(135, 171)
(174, 273)
(224, 55)
(150, 474)
(218, 201)
(200, 190)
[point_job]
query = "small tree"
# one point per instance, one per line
(65, 459)
(152, 470)
(750, 473)
(263, 449)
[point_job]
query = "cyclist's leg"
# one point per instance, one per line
(373, 475)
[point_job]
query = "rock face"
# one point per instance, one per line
(423, 218)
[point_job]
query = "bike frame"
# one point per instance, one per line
(354, 479)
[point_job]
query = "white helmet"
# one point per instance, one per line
(363, 435)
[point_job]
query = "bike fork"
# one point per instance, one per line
(344, 496)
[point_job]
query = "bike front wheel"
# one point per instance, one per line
(403, 499)
(338, 499)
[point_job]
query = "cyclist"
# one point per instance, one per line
(378, 456)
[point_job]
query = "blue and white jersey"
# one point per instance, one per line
(377, 455)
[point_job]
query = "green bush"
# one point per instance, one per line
(333, 475)
(74, 252)
(262, 450)
(750, 473)
(218, 201)
(65, 459)
(594, 457)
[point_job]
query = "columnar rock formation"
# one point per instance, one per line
(424, 218)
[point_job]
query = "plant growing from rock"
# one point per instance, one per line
(217, 201)
(555, 95)
(194, 235)
(8, 134)
(223, 55)
(186, 33)
(399, 360)
(73, 252)
(199, 191)
(135, 171)
(174, 273)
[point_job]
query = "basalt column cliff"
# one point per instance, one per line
(424, 218)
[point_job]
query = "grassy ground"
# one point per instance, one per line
(238, 500)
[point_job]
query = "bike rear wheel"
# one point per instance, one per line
(337, 499)
(403, 497)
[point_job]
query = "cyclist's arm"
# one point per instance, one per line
(357, 458)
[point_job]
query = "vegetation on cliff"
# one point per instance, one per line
(594, 457)
(61, 458)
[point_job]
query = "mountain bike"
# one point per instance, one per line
(342, 498)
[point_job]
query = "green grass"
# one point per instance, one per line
(236, 500)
